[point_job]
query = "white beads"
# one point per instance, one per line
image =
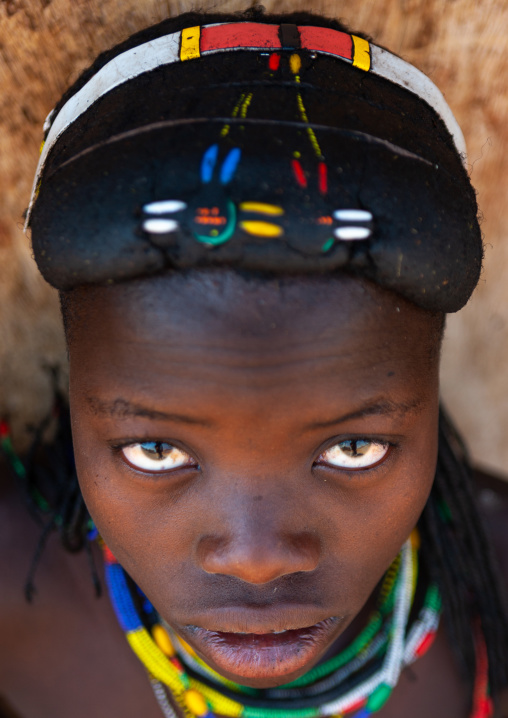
(352, 233)
(353, 215)
(355, 224)
(160, 226)
(166, 206)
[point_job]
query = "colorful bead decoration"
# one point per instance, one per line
(357, 681)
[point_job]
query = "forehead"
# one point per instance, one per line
(216, 332)
(235, 303)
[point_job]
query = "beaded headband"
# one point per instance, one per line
(273, 147)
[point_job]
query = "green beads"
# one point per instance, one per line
(250, 712)
(378, 698)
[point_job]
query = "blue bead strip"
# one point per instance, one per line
(121, 599)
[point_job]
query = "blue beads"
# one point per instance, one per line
(121, 599)
(208, 163)
(92, 534)
(230, 165)
(147, 607)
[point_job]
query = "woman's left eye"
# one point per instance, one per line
(156, 456)
(354, 454)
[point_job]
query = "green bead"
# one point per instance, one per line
(250, 712)
(378, 698)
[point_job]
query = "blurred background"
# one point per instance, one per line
(460, 44)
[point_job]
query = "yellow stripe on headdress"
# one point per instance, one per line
(361, 53)
(189, 48)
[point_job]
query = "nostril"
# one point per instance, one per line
(307, 542)
(211, 548)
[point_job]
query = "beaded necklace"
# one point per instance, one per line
(359, 680)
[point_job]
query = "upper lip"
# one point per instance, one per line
(260, 620)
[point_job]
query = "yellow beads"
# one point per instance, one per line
(262, 208)
(195, 702)
(162, 639)
(187, 648)
(415, 539)
(262, 229)
(154, 660)
(295, 63)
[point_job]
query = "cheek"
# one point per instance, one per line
(127, 513)
(372, 521)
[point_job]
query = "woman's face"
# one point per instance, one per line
(254, 454)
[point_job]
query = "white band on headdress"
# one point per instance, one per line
(170, 49)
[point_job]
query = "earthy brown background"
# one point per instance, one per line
(461, 44)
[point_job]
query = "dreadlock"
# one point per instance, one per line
(50, 468)
(458, 557)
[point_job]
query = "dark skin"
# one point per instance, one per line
(258, 529)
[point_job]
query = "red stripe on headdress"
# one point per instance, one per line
(323, 39)
(242, 34)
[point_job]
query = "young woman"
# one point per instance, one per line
(256, 227)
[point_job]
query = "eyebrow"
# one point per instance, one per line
(377, 408)
(123, 409)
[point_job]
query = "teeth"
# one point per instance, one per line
(246, 633)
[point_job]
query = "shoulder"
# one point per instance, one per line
(492, 496)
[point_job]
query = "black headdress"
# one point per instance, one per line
(272, 147)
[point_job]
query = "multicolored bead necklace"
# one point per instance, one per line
(359, 680)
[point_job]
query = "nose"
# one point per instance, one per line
(253, 549)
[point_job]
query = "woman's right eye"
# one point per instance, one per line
(156, 456)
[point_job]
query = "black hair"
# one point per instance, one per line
(459, 558)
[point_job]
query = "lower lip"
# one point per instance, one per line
(262, 655)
